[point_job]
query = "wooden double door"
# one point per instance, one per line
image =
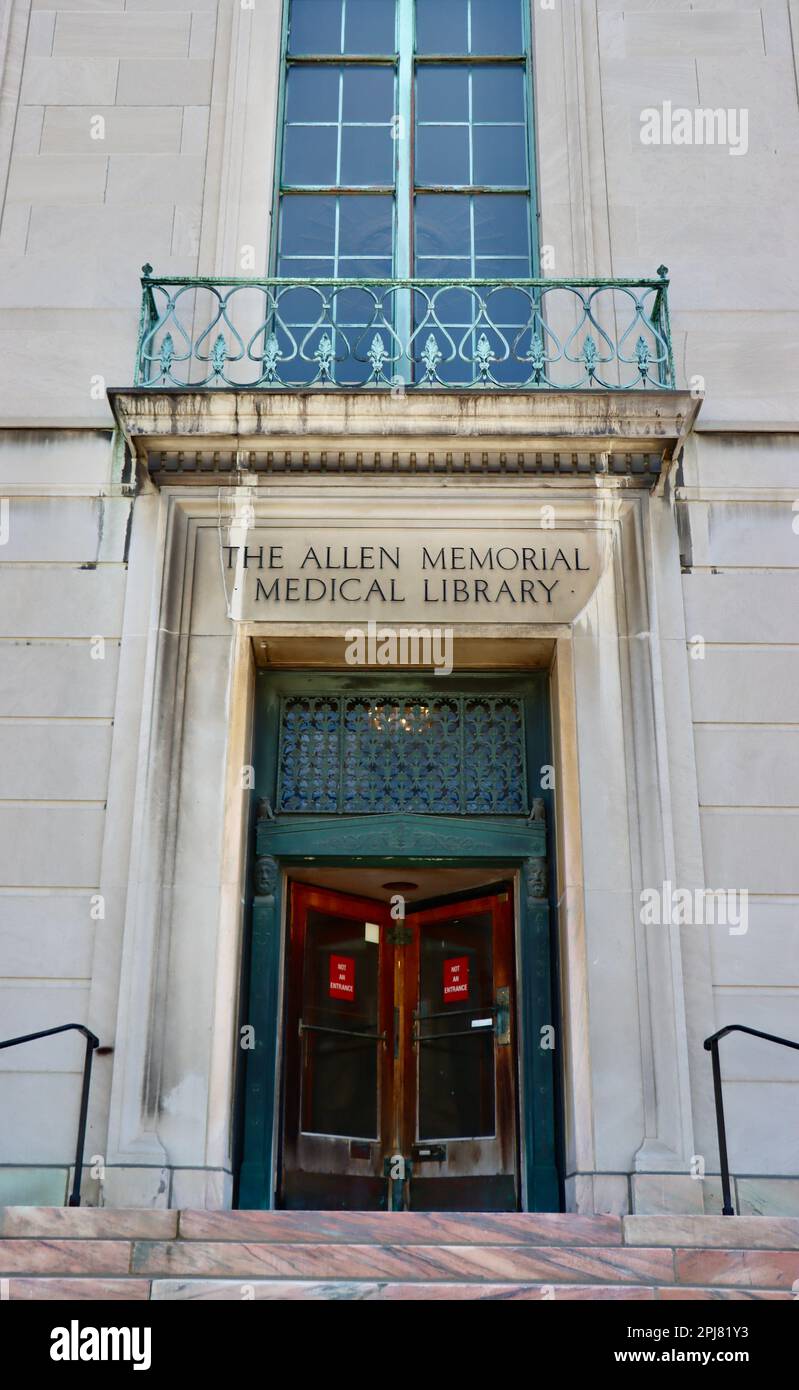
(399, 1083)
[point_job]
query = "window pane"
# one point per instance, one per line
(354, 305)
(312, 94)
(442, 94)
(498, 94)
(444, 267)
(308, 226)
(303, 306)
(501, 225)
(315, 26)
(366, 268)
(497, 26)
(368, 94)
(370, 26)
(441, 26)
(366, 226)
(309, 156)
(306, 268)
(500, 155)
(442, 225)
(367, 155)
(454, 306)
(507, 308)
(442, 154)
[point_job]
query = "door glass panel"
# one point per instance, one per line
(456, 1045)
(340, 998)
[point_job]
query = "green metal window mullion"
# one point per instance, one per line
(403, 212)
(280, 136)
(532, 170)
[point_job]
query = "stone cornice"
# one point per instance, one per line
(193, 434)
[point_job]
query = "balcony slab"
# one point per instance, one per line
(189, 434)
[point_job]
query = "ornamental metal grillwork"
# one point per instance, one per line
(348, 334)
(370, 753)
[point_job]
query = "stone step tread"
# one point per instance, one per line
(403, 1263)
(184, 1290)
(44, 1288)
(63, 1257)
(685, 1292)
(770, 1269)
(87, 1223)
(728, 1232)
(175, 1290)
(401, 1228)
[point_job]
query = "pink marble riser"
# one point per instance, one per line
(509, 1263)
(352, 1291)
(61, 1257)
(87, 1223)
(725, 1232)
(767, 1269)
(79, 1290)
(685, 1294)
(400, 1228)
(44, 1289)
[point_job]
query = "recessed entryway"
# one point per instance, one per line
(401, 945)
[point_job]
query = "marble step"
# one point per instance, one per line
(402, 1263)
(399, 1228)
(176, 1290)
(90, 1253)
(727, 1232)
(47, 1288)
(87, 1223)
(451, 1264)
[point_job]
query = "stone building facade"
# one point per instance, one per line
(146, 518)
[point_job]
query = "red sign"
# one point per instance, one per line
(342, 977)
(456, 979)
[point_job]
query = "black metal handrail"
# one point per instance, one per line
(91, 1043)
(712, 1046)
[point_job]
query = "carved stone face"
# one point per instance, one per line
(537, 878)
(265, 877)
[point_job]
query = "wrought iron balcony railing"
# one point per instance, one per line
(526, 335)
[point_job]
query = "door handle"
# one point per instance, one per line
(502, 1029)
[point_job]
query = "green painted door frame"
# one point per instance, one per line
(432, 840)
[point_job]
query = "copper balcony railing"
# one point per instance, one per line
(526, 335)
